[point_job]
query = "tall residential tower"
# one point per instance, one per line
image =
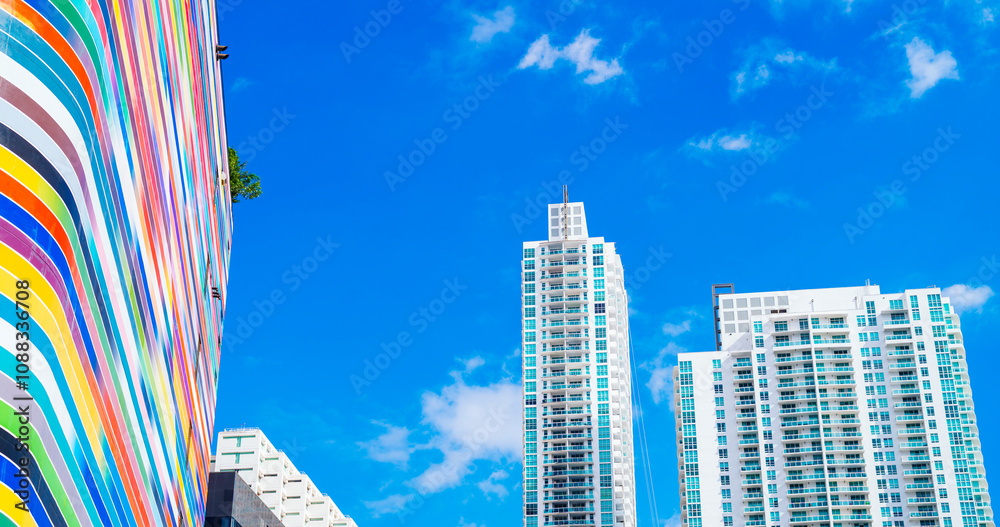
(578, 464)
(831, 407)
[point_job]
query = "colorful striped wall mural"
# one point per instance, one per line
(114, 249)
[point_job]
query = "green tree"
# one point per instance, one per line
(243, 184)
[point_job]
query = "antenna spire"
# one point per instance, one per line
(565, 194)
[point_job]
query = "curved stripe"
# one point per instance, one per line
(111, 144)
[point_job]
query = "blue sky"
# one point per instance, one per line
(777, 145)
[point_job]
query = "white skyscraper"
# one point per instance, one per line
(578, 464)
(830, 407)
(290, 494)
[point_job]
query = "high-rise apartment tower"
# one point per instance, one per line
(578, 464)
(831, 408)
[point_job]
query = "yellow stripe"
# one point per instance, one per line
(55, 327)
(8, 500)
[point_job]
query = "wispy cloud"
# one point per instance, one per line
(490, 485)
(771, 60)
(673, 521)
(391, 447)
(661, 370)
(389, 505)
(676, 329)
(725, 141)
(487, 27)
(928, 68)
(965, 298)
(580, 52)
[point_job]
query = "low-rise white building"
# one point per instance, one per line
(292, 496)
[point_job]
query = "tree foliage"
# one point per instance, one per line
(243, 184)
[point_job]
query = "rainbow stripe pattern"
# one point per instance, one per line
(115, 227)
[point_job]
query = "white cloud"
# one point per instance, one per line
(661, 370)
(723, 140)
(771, 60)
(965, 298)
(927, 67)
(389, 505)
(490, 485)
(987, 15)
(673, 521)
(472, 423)
(676, 329)
(391, 447)
(470, 366)
(486, 28)
(541, 53)
(734, 143)
(461, 523)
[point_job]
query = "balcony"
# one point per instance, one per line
(849, 475)
(569, 485)
(911, 431)
(801, 358)
(800, 437)
(553, 437)
(560, 399)
(567, 448)
(793, 344)
(788, 373)
(824, 327)
(563, 298)
(831, 342)
(553, 276)
(570, 497)
(564, 510)
(799, 424)
(570, 424)
(564, 473)
(897, 322)
(563, 311)
(554, 349)
(573, 411)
